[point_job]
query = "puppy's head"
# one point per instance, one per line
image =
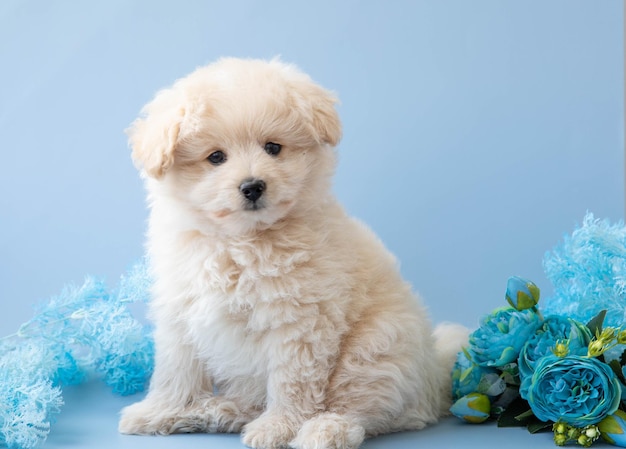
(241, 144)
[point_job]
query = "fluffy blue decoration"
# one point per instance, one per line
(85, 331)
(588, 272)
(135, 285)
(28, 398)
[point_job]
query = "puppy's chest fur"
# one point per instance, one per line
(258, 273)
(247, 298)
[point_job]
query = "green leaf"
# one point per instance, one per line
(595, 325)
(539, 426)
(524, 417)
(465, 373)
(617, 369)
(622, 359)
(504, 401)
(517, 409)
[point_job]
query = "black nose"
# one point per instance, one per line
(252, 189)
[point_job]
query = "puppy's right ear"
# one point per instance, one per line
(154, 137)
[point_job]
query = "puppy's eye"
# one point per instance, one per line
(217, 157)
(272, 148)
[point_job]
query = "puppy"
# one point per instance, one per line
(276, 315)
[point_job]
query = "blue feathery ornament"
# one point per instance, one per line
(588, 272)
(28, 398)
(85, 331)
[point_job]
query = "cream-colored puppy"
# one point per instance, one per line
(275, 313)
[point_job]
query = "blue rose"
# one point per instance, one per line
(501, 335)
(577, 390)
(554, 328)
(521, 293)
(468, 377)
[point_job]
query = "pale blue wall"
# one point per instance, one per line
(476, 133)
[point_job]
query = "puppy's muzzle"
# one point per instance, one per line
(252, 189)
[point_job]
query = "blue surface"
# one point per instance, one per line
(89, 420)
(476, 134)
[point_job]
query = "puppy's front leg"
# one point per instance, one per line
(297, 383)
(177, 378)
(178, 381)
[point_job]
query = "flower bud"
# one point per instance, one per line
(596, 348)
(473, 408)
(559, 427)
(572, 432)
(608, 335)
(613, 428)
(592, 432)
(522, 294)
(560, 439)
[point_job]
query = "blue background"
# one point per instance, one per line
(476, 134)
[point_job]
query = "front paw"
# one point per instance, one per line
(148, 417)
(206, 414)
(269, 432)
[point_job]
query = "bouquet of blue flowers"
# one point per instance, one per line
(559, 371)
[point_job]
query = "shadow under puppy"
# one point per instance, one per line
(276, 315)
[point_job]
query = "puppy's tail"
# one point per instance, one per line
(449, 339)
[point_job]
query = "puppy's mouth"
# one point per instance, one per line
(254, 205)
(248, 206)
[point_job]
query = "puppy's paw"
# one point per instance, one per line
(209, 414)
(269, 432)
(213, 414)
(148, 417)
(329, 431)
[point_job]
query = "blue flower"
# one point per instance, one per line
(554, 328)
(468, 377)
(521, 293)
(576, 390)
(613, 428)
(473, 408)
(501, 335)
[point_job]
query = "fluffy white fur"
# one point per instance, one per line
(289, 323)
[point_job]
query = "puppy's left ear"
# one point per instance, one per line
(325, 117)
(318, 106)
